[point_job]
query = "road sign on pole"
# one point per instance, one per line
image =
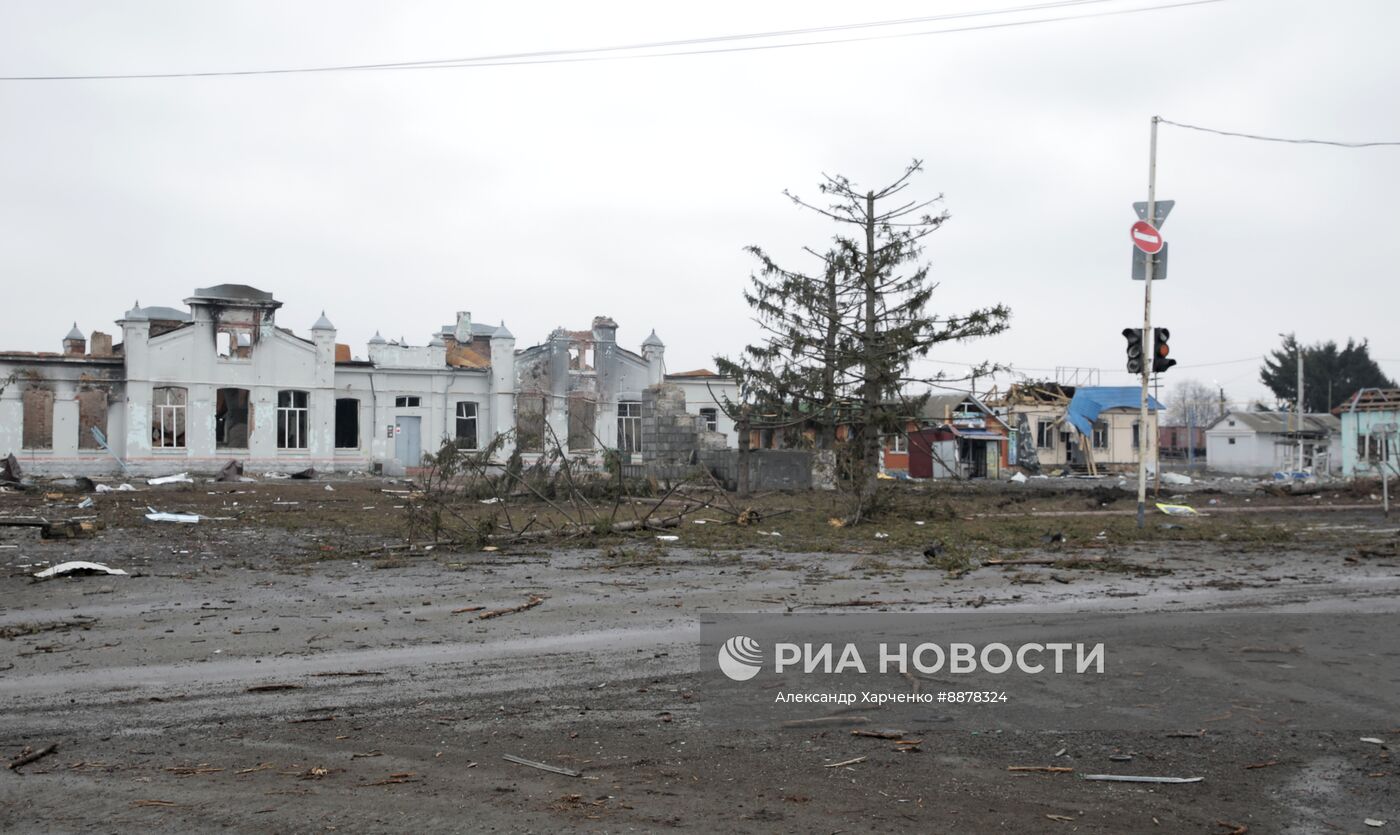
(1147, 238)
(1163, 208)
(1159, 264)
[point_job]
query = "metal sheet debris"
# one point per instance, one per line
(183, 518)
(178, 478)
(77, 567)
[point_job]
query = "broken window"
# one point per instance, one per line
(38, 419)
(530, 422)
(168, 417)
(1100, 438)
(292, 419)
(233, 343)
(231, 419)
(347, 423)
(92, 414)
(711, 419)
(1045, 434)
(629, 426)
(408, 401)
(583, 412)
(466, 425)
(898, 443)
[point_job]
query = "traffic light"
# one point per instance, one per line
(1134, 337)
(1161, 351)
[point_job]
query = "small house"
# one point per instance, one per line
(1261, 443)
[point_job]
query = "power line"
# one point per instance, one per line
(597, 53)
(1276, 138)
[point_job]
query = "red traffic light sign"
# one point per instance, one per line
(1147, 238)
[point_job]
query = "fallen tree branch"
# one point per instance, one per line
(534, 601)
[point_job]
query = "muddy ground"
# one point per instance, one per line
(285, 665)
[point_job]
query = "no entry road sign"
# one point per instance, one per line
(1147, 238)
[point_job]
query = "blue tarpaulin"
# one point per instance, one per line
(1086, 404)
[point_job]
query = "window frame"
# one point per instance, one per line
(177, 414)
(629, 425)
(475, 420)
(408, 401)
(291, 416)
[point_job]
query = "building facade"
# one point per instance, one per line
(192, 389)
(1263, 443)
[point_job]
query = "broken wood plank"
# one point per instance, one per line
(555, 769)
(33, 755)
(851, 761)
(1046, 560)
(1047, 769)
(271, 688)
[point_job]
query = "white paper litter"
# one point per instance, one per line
(1176, 479)
(107, 488)
(185, 518)
(1019, 478)
(178, 478)
(667, 538)
(78, 565)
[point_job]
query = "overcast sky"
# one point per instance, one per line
(546, 194)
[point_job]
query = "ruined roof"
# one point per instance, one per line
(478, 329)
(1371, 400)
(163, 314)
(233, 293)
(1277, 423)
(465, 356)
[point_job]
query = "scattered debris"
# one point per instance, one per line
(1060, 561)
(9, 470)
(107, 488)
(567, 772)
(306, 474)
(1177, 509)
(1373, 740)
(879, 734)
(178, 478)
(1374, 822)
(1055, 538)
(819, 721)
(492, 500)
(1130, 778)
(1265, 764)
(667, 537)
(534, 601)
(183, 518)
(1018, 478)
(1176, 479)
(881, 535)
(232, 471)
(78, 568)
(1064, 818)
(1048, 769)
(271, 688)
(26, 759)
(85, 503)
(851, 761)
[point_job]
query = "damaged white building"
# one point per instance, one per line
(190, 389)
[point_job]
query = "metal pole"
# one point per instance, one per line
(1299, 407)
(1148, 344)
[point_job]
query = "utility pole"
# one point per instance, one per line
(1299, 406)
(1143, 439)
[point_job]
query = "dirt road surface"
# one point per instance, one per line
(273, 669)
